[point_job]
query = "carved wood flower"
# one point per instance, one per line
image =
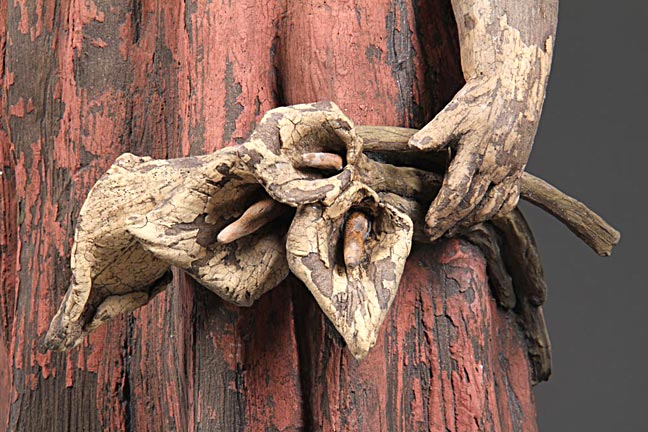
(111, 272)
(229, 220)
(212, 216)
(221, 227)
(303, 153)
(351, 256)
(145, 215)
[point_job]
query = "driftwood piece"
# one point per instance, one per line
(582, 221)
(225, 217)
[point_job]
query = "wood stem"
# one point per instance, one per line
(391, 143)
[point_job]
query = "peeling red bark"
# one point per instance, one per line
(84, 81)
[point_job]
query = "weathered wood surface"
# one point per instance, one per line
(83, 82)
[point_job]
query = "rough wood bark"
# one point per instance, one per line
(83, 82)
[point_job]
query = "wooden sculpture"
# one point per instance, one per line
(170, 109)
(300, 195)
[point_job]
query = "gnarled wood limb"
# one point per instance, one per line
(582, 221)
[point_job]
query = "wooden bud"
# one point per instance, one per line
(254, 218)
(356, 230)
(323, 161)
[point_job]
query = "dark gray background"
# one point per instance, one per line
(593, 144)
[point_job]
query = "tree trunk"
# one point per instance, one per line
(84, 81)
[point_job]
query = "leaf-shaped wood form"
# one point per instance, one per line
(275, 151)
(183, 230)
(115, 272)
(355, 298)
(111, 272)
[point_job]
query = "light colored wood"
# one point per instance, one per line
(197, 213)
(355, 298)
(490, 124)
(580, 219)
(356, 230)
(322, 161)
(252, 220)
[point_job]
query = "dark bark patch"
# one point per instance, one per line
(380, 271)
(319, 274)
(373, 53)
(400, 57)
(233, 108)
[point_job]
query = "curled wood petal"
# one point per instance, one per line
(145, 215)
(183, 230)
(355, 297)
(111, 272)
(274, 153)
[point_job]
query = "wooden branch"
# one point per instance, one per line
(582, 221)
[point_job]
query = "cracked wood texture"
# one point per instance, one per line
(86, 80)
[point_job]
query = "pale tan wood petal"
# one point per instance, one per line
(357, 297)
(183, 231)
(145, 215)
(275, 152)
(106, 259)
(239, 271)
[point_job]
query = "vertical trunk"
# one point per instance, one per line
(83, 81)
